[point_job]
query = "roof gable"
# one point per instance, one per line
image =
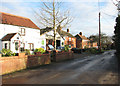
(82, 37)
(47, 29)
(17, 20)
(8, 37)
(63, 33)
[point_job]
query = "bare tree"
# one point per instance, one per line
(50, 15)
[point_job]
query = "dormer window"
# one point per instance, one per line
(22, 31)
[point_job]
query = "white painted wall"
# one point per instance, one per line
(31, 35)
(50, 35)
(43, 38)
(0, 45)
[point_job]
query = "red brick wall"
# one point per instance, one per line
(78, 43)
(64, 56)
(15, 63)
(36, 60)
(94, 44)
(72, 42)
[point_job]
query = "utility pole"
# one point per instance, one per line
(54, 25)
(99, 34)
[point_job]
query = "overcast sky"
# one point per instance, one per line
(85, 13)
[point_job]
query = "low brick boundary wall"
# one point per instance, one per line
(13, 63)
(63, 56)
(36, 60)
(22, 61)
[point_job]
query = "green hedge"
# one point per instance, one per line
(7, 52)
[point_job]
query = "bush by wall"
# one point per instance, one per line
(27, 52)
(66, 48)
(39, 50)
(7, 52)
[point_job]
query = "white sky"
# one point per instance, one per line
(85, 13)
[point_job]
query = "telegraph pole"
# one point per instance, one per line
(99, 34)
(99, 46)
(54, 25)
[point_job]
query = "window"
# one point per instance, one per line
(42, 42)
(50, 42)
(16, 45)
(62, 43)
(5, 45)
(69, 39)
(23, 31)
(72, 45)
(24, 45)
(31, 46)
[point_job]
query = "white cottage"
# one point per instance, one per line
(18, 32)
(47, 34)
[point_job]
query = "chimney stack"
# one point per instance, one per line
(80, 33)
(68, 30)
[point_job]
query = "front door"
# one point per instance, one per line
(57, 43)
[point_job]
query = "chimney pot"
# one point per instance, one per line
(68, 30)
(80, 33)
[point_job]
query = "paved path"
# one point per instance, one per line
(95, 69)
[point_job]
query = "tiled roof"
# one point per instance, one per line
(82, 37)
(63, 33)
(47, 29)
(8, 37)
(16, 20)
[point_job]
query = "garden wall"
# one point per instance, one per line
(13, 63)
(22, 61)
(36, 60)
(63, 56)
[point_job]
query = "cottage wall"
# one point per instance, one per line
(31, 35)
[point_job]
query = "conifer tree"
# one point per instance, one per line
(117, 36)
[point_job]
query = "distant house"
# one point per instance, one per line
(18, 32)
(83, 42)
(69, 39)
(48, 35)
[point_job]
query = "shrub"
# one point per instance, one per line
(7, 52)
(39, 50)
(27, 52)
(66, 48)
(92, 50)
(76, 50)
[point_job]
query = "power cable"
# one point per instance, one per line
(99, 5)
(106, 20)
(109, 15)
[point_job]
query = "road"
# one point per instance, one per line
(95, 69)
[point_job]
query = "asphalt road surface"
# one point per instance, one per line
(95, 69)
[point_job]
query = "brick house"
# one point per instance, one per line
(83, 42)
(69, 39)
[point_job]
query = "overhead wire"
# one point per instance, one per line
(106, 20)
(99, 6)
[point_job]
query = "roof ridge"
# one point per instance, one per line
(14, 15)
